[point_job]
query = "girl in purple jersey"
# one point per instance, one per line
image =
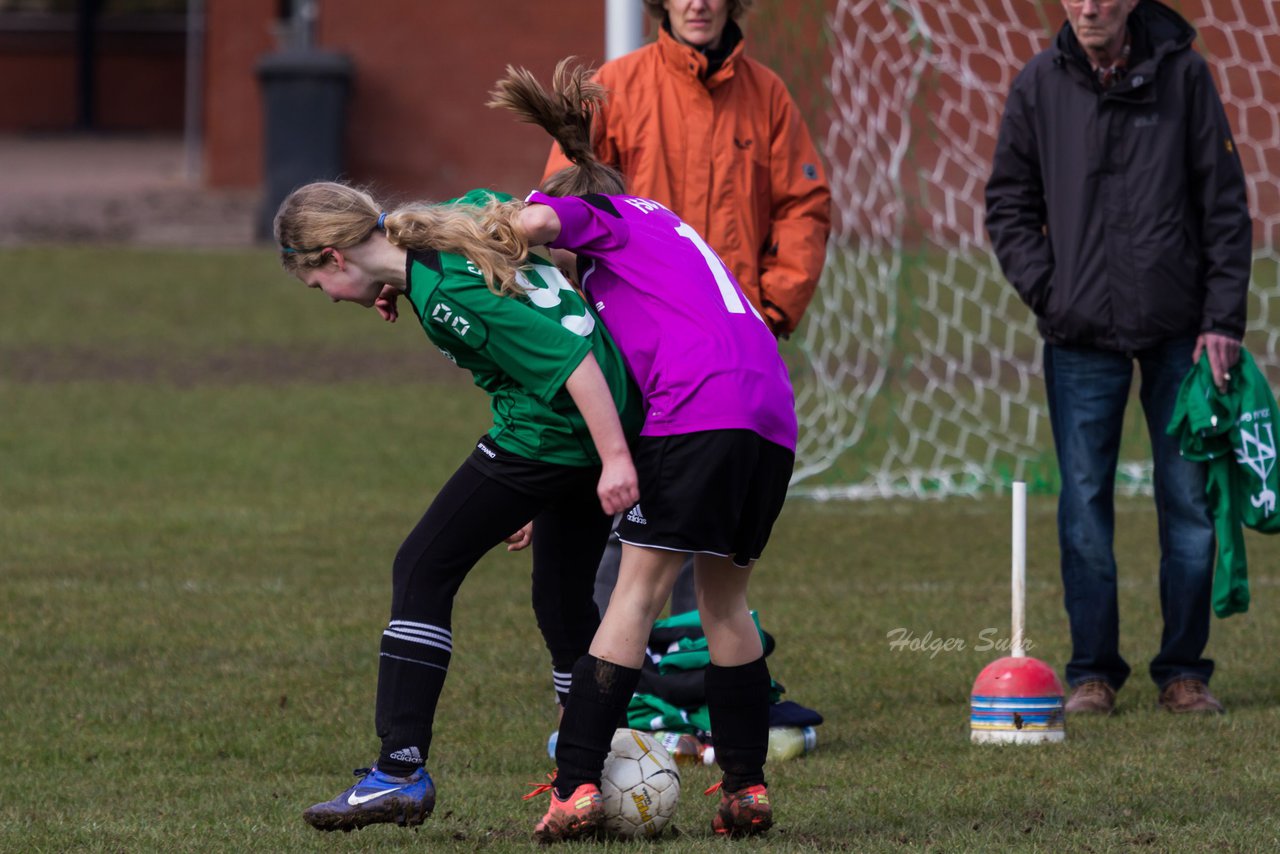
(714, 457)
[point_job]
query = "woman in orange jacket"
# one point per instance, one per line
(694, 123)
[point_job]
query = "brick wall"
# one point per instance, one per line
(417, 126)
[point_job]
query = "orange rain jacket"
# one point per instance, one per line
(731, 156)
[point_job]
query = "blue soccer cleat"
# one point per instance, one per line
(377, 798)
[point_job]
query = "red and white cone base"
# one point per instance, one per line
(1016, 700)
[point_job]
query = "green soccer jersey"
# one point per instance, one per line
(521, 350)
(1234, 432)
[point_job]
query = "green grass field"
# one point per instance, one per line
(205, 472)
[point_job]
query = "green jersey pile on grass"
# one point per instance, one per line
(521, 350)
(1234, 432)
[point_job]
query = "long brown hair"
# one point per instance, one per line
(565, 112)
(330, 214)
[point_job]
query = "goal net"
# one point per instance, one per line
(920, 369)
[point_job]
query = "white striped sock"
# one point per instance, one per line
(421, 633)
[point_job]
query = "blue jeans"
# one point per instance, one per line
(1087, 391)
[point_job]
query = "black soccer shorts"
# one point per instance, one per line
(714, 492)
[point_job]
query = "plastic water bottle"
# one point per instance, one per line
(788, 742)
(686, 749)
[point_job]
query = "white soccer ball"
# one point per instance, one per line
(640, 785)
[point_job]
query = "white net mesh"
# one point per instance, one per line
(921, 371)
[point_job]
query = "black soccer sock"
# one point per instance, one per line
(738, 702)
(408, 691)
(598, 699)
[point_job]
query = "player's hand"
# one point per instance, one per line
(385, 304)
(618, 488)
(1224, 352)
(520, 539)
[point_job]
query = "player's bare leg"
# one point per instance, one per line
(726, 617)
(645, 579)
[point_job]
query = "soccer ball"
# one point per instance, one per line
(640, 785)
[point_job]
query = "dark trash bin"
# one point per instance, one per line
(304, 94)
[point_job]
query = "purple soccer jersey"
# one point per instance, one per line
(701, 354)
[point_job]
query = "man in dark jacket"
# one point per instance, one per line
(1116, 206)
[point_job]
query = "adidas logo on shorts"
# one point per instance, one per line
(636, 517)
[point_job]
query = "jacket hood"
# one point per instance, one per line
(1155, 31)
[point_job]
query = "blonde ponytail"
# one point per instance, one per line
(329, 214)
(486, 236)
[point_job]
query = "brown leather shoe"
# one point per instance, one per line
(1189, 695)
(1093, 696)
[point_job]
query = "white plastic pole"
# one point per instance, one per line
(624, 27)
(1019, 567)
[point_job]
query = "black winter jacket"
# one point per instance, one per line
(1120, 216)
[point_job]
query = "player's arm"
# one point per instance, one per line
(588, 224)
(539, 224)
(618, 488)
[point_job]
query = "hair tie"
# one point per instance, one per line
(288, 250)
(382, 220)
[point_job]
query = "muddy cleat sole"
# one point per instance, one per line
(579, 816)
(377, 799)
(745, 812)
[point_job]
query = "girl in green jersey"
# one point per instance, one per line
(556, 454)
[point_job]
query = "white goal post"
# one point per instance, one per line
(918, 370)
